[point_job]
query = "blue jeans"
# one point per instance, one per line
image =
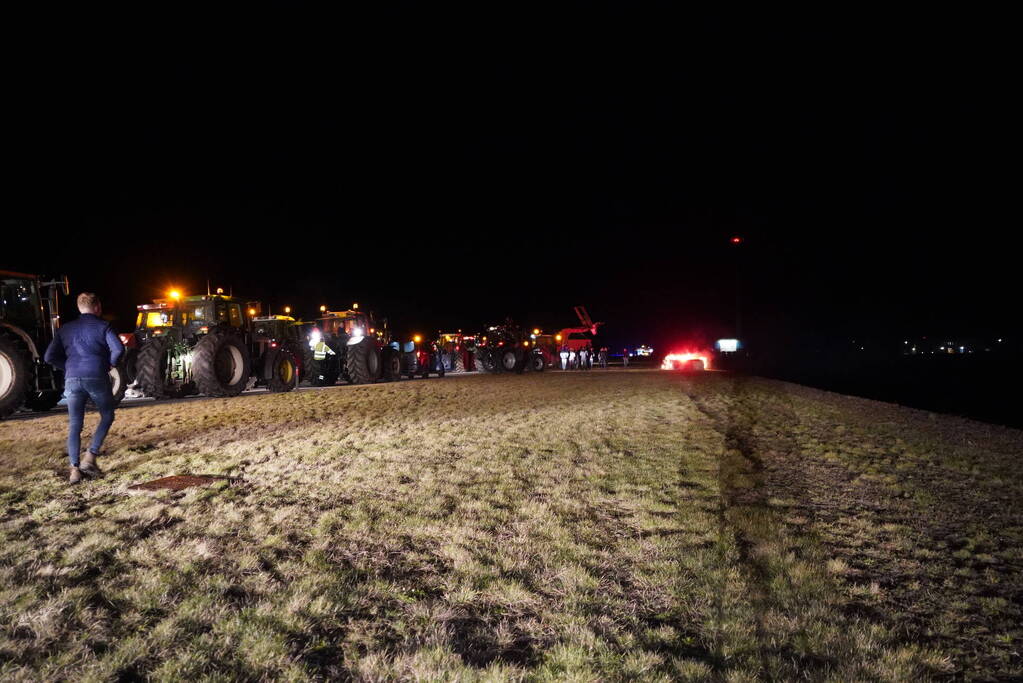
(77, 390)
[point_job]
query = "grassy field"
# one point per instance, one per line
(583, 526)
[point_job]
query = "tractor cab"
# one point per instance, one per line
(275, 328)
(30, 304)
(186, 318)
(273, 331)
(29, 318)
(347, 324)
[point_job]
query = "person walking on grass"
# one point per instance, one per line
(86, 350)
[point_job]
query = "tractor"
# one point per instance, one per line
(457, 351)
(277, 345)
(507, 348)
(199, 344)
(350, 345)
(419, 359)
(29, 318)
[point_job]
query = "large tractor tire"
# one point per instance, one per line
(280, 370)
(307, 363)
(220, 365)
(485, 361)
(151, 368)
(392, 364)
(459, 364)
(130, 362)
(537, 362)
(408, 364)
(362, 360)
(511, 360)
(16, 375)
(119, 381)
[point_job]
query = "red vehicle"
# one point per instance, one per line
(578, 337)
(420, 359)
(457, 351)
(360, 350)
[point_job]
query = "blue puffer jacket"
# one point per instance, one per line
(87, 347)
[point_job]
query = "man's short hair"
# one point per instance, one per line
(87, 302)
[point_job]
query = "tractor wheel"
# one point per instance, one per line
(151, 368)
(362, 360)
(220, 365)
(130, 362)
(307, 364)
(392, 365)
(119, 381)
(511, 360)
(459, 364)
(280, 370)
(15, 373)
(538, 363)
(485, 361)
(336, 364)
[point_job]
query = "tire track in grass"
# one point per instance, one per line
(786, 598)
(740, 485)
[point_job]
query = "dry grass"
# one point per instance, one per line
(606, 525)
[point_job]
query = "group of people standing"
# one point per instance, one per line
(582, 359)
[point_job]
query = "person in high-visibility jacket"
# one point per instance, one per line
(319, 346)
(321, 351)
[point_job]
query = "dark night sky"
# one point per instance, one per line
(448, 170)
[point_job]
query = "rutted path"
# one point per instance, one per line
(845, 553)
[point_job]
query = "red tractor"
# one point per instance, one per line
(457, 351)
(350, 345)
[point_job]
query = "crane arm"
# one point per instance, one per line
(584, 318)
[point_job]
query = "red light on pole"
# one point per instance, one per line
(736, 240)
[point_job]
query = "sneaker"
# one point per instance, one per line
(88, 465)
(76, 475)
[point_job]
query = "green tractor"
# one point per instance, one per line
(200, 344)
(349, 345)
(277, 345)
(29, 318)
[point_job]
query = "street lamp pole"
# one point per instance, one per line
(736, 243)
